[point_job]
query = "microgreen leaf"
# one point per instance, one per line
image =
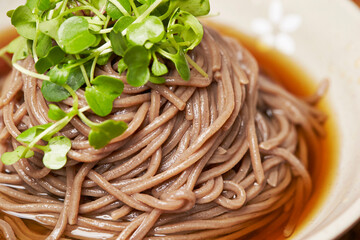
(103, 59)
(56, 151)
(20, 48)
(44, 5)
(180, 62)
(102, 133)
(24, 22)
(74, 35)
(118, 43)
(157, 80)
(123, 23)
(59, 74)
(55, 93)
(98, 3)
(54, 56)
(121, 66)
(51, 27)
(137, 58)
(31, 4)
(30, 134)
(158, 68)
(43, 46)
(114, 12)
(10, 13)
(186, 28)
(151, 29)
(102, 94)
(10, 158)
(195, 7)
(55, 113)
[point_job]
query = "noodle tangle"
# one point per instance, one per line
(213, 157)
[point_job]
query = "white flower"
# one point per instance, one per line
(275, 31)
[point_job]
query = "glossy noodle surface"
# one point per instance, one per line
(216, 157)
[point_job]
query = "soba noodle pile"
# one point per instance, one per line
(213, 157)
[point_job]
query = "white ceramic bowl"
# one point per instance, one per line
(323, 37)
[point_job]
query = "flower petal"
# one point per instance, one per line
(268, 40)
(285, 43)
(261, 26)
(275, 11)
(290, 23)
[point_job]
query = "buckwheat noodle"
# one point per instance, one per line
(216, 157)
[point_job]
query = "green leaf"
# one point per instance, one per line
(31, 4)
(74, 35)
(118, 43)
(55, 93)
(114, 12)
(137, 58)
(56, 151)
(158, 68)
(10, 158)
(44, 5)
(54, 56)
(186, 28)
(55, 113)
(150, 29)
(195, 7)
(123, 23)
(43, 46)
(24, 22)
(157, 80)
(180, 62)
(10, 13)
(101, 134)
(30, 134)
(103, 59)
(19, 48)
(59, 74)
(121, 66)
(51, 27)
(102, 94)
(98, 3)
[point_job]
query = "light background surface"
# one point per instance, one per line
(323, 36)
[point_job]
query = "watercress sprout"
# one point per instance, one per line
(70, 39)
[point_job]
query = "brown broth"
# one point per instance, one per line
(280, 68)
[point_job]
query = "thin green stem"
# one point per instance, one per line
(105, 27)
(35, 41)
(76, 9)
(83, 70)
(93, 66)
(120, 7)
(134, 8)
(196, 66)
(30, 73)
(148, 11)
(63, 7)
(85, 119)
(41, 147)
(49, 130)
(74, 96)
(106, 30)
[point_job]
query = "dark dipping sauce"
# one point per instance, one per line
(283, 69)
(289, 74)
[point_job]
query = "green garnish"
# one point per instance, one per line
(69, 38)
(101, 95)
